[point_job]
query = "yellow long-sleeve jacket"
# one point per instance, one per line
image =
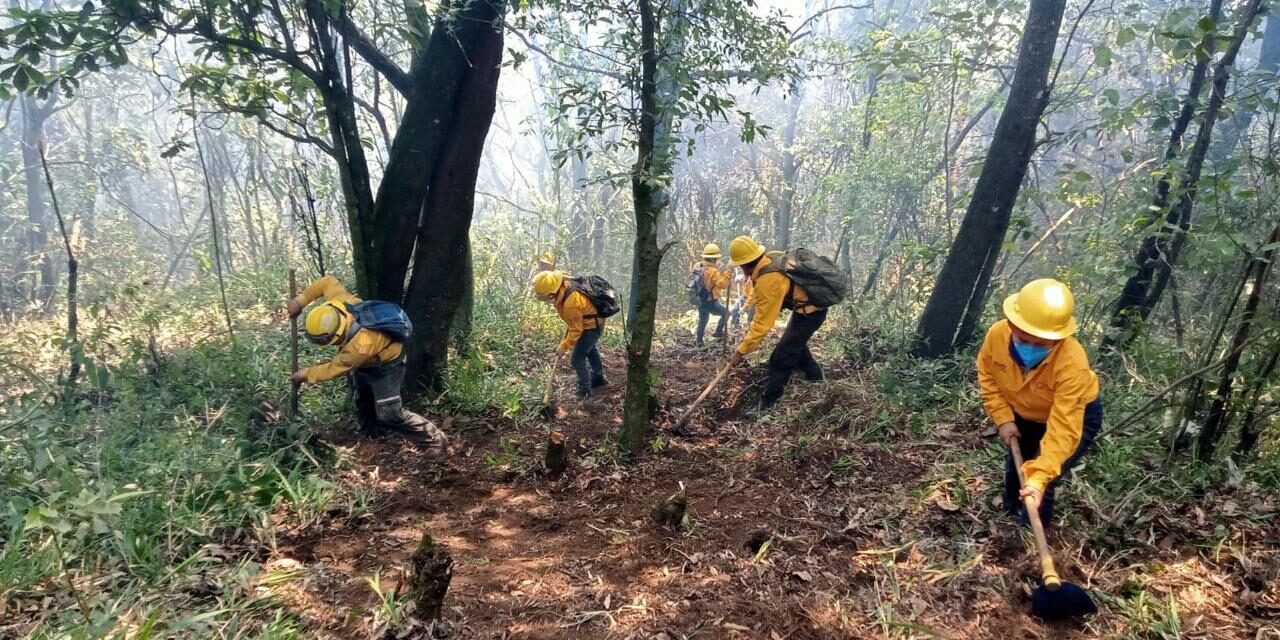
(1055, 393)
(748, 293)
(367, 348)
(713, 279)
(578, 314)
(770, 291)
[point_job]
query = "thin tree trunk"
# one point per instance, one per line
(1158, 251)
(961, 287)
(1218, 417)
(73, 281)
(213, 225)
(649, 201)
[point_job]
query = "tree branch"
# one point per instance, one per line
(381, 62)
(569, 65)
(799, 33)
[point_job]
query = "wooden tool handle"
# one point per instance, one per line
(551, 377)
(705, 392)
(1049, 574)
(293, 343)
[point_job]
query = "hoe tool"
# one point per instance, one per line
(1053, 599)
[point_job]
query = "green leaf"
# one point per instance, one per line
(1125, 36)
(20, 79)
(1102, 56)
(1112, 96)
(1206, 24)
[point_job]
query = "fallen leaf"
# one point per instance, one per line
(803, 575)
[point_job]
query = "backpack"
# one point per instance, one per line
(818, 275)
(386, 317)
(601, 294)
(696, 285)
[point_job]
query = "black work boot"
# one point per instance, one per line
(596, 383)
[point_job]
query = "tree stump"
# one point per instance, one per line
(557, 459)
(670, 512)
(430, 571)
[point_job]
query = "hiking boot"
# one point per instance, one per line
(582, 395)
(596, 383)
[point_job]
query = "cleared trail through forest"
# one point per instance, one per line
(818, 522)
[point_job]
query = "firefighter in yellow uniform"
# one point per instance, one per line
(373, 360)
(774, 291)
(1038, 388)
(583, 329)
(709, 289)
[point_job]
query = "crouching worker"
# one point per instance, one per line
(583, 303)
(370, 339)
(1039, 390)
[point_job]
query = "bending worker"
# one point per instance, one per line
(583, 328)
(370, 340)
(774, 291)
(1039, 390)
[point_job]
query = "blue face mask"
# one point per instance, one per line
(1031, 355)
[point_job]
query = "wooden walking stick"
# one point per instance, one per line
(293, 344)
(679, 425)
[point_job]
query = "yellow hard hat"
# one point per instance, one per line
(547, 282)
(1043, 308)
(711, 251)
(327, 323)
(548, 258)
(743, 250)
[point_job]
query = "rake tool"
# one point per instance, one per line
(1054, 599)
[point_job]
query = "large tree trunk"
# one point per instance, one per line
(428, 192)
(1159, 251)
(962, 285)
(649, 201)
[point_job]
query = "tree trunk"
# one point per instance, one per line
(790, 171)
(428, 191)
(35, 252)
(1268, 65)
(1158, 252)
(649, 201)
(962, 285)
(1216, 421)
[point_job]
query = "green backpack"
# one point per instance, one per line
(819, 276)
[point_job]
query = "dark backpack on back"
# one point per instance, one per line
(601, 294)
(386, 317)
(819, 276)
(696, 285)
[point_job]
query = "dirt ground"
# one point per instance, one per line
(789, 534)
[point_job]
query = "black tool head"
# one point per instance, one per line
(1069, 601)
